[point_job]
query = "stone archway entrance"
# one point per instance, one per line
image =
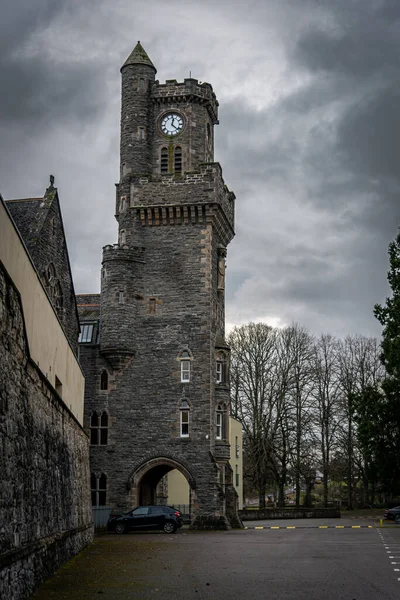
(147, 480)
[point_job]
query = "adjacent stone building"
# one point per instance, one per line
(45, 509)
(152, 345)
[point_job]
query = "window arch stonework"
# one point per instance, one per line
(53, 287)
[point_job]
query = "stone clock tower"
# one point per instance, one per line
(156, 360)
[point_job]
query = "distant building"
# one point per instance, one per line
(44, 477)
(236, 460)
(152, 345)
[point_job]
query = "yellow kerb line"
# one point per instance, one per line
(275, 527)
(356, 526)
(339, 526)
(258, 527)
(291, 527)
(323, 527)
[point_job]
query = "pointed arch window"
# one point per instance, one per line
(178, 159)
(185, 359)
(99, 429)
(104, 380)
(98, 486)
(184, 419)
(164, 160)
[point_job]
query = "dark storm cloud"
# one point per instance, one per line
(36, 89)
(308, 139)
(331, 147)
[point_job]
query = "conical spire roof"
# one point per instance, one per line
(138, 56)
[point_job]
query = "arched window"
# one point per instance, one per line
(164, 160)
(104, 380)
(178, 160)
(98, 486)
(58, 297)
(98, 429)
(184, 419)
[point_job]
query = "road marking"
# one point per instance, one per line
(356, 526)
(290, 527)
(396, 569)
(323, 527)
(339, 526)
(274, 527)
(258, 527)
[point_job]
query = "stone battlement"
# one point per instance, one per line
(122, 252)
(205, 186)
(190, 89)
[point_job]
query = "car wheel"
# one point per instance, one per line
(169, 527)
(120, 528)
(397, 519)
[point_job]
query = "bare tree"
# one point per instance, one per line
(326, 395)
(253, 359)
(359, 366)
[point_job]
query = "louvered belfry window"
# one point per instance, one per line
(178, 160)
(164, 160)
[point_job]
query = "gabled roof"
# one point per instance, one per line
(138, 56)
(29, 215)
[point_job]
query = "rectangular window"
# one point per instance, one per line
(184, 423)
(219, 371)
(185, 370)
(86, 333)
(121, 297)
(237, 476)
(122, 237)
(142, 135)
(219, 426)
(122, 204)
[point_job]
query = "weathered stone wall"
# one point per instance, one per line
(44, 477)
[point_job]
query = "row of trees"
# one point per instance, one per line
(320, 405)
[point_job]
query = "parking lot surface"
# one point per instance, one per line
(305, 563)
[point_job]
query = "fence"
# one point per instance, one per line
(185, 510)
(100, 515)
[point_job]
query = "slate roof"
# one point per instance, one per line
(138, 56)
(29, 215)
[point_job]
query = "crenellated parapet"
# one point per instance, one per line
(191, 90)
(192, 197)
(122, 252)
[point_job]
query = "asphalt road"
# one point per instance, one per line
(305, 563)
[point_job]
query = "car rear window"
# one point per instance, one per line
(156, 510)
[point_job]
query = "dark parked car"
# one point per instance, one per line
(166, 518)
(393, 514)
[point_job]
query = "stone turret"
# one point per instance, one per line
(138, 75)
(120, 293)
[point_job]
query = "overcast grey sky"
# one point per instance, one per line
(309, 136)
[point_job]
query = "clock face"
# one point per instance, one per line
(171, 124)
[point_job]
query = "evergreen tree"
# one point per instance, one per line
(389, 317)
